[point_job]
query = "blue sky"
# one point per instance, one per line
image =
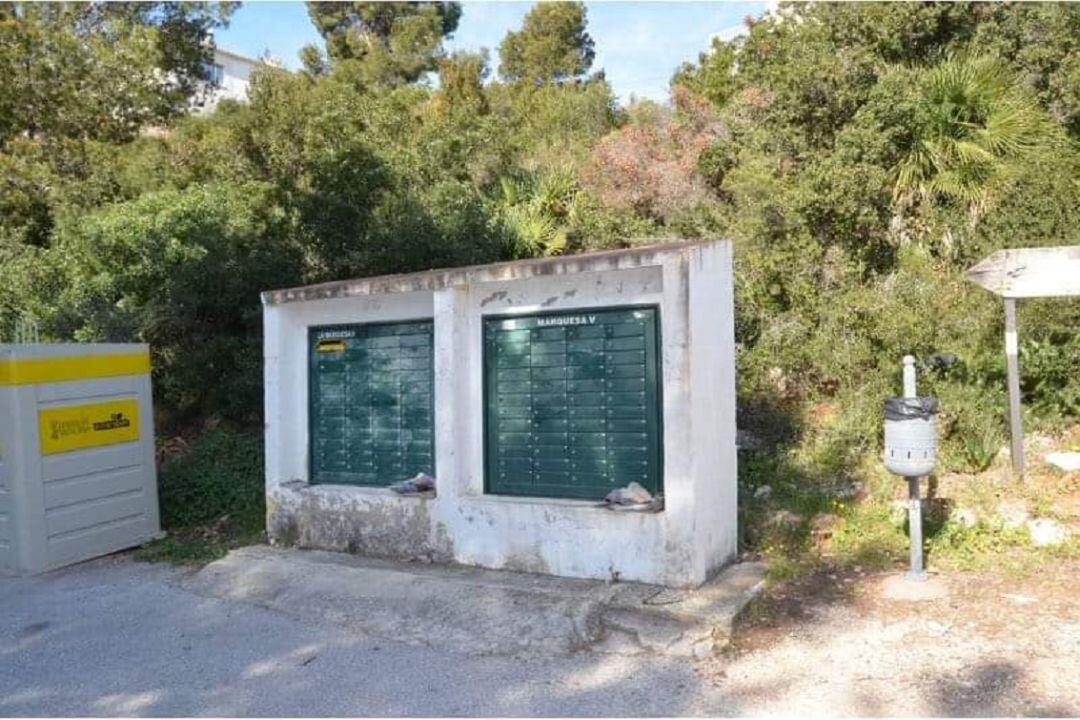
(639, 44)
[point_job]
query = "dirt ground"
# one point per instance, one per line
(832, 644)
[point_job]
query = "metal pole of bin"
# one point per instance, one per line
(914, 501)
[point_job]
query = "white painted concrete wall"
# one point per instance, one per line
(236, 78)
(691, 284)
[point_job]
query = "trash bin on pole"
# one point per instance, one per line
(911, 451)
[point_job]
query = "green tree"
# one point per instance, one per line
(384, 42)
(100, 70)
(713, 78)
(181, 270)
(313, 61)
(461, 83)
(1041, 41)
(976, 122)
(553, 126)
(551, 47)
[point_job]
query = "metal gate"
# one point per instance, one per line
(371, 403)
(572, 402)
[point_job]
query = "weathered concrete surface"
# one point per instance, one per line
(899, 586)
(377, 522)
(428, 280)
(482, 612)
(113, 637)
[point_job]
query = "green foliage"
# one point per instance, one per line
(713, 78)
(221, 474)
(870, 153)
(870, 539)
(975, 119)
(461, 83)
(1051, 367)
(552, 126)
(980, 547)
(181, 270)
(538, 210)
(858, 189)
(61, 65)
(212, 498)
(386, 43)
(1042, 43)
(551, 47)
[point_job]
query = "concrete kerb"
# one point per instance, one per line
(483, 612)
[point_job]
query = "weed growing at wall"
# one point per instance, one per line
(211, 497)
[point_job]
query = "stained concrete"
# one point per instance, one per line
(902, 587)
(483, 612)
(428, 280)
(376, 523)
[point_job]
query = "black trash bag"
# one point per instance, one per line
(916, 408)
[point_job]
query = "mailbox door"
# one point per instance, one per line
(572, 403)
(372, 413)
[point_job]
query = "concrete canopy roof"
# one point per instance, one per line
(513, 270)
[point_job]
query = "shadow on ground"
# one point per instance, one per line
(990, 689)
(114, 637)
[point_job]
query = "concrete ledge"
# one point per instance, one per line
(476, 611)
(370, 521)
(439, 279)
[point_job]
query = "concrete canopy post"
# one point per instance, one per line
(451, 363)
(712, 369)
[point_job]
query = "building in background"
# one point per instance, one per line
(228, 78)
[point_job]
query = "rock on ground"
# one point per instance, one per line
(1013, 513)
(964, 517)
(1064, 461)
(1046, 532)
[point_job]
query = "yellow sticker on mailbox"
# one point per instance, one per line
(75, 427)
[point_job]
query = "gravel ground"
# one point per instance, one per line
(115, 637)
(834, 645)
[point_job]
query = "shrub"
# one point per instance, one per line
(221, 474)
(181, 270)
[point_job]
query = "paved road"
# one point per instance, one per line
(117, 637)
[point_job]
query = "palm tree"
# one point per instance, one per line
(538, 208)
(979, 123)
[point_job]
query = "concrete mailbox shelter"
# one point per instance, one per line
(528, 389)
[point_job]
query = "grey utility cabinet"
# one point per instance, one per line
(77, 476)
